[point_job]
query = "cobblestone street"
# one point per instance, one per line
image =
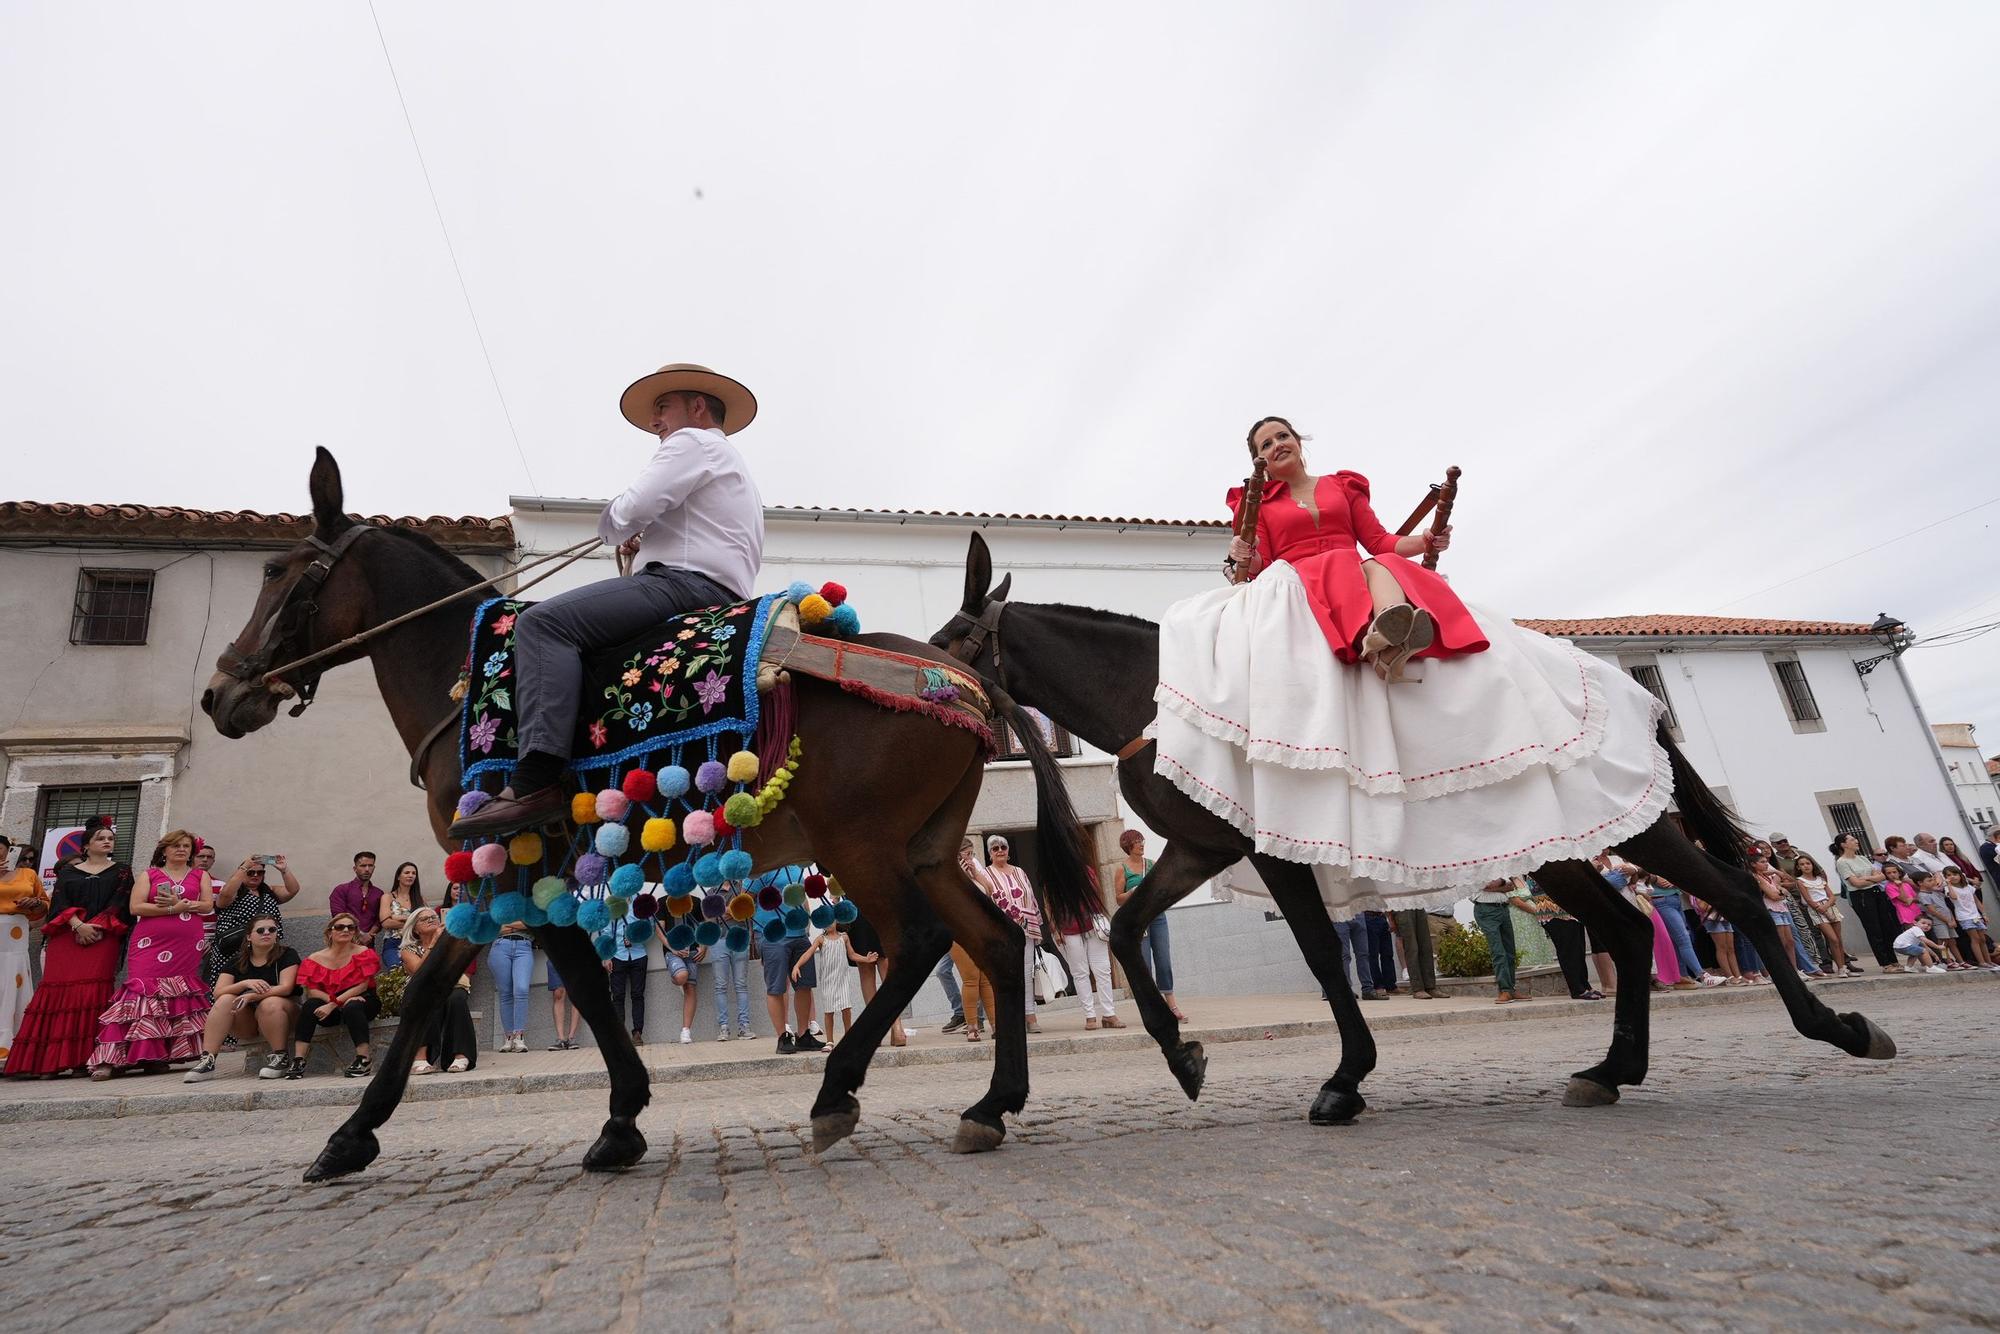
(1757, 1182)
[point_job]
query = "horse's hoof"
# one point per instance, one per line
(829, 1128)
(977, 1137)
(1588, 1093)
(1881, 1047)
(346, 1151)
(1190, 1066)
(1336, 1107)
(619, 1145)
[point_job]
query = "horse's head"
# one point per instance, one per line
(972, 634)
(310, 599)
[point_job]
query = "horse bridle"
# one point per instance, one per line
(981, 628)
(290, 618)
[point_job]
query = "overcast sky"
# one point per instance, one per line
(1701, 297)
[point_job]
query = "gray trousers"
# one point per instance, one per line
(552, 637)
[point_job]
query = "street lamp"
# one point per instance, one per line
(1895, 636)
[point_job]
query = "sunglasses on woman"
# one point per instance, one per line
(343, 926)
(265, 931)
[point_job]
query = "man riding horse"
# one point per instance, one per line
(698, 522)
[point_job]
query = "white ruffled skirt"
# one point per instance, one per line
(1401, 796)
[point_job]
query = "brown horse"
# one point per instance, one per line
(881, 801)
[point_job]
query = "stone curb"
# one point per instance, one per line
(475, 1085)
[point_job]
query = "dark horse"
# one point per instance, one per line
(881, 801)
(1094, 672)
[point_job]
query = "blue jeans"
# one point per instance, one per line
(1669, 910)
(1382, 950)
(1156, 950)
(1747, 958)
(513, 965)
(949, 981)
(390, 949)
(731, 969)
(1354, 945)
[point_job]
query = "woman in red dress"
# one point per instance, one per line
(84, 934)
(1384, 610)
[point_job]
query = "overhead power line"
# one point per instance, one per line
(1857, 554)
(451, 250)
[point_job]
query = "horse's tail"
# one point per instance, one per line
(1068, 888)
(1704, 813)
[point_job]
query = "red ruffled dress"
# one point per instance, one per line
(1323, 554)
(59, 1027)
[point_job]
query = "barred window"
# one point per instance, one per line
(68, 807)
(112, 607)
(1799, 701)
(1656, 685)
(1008, 747)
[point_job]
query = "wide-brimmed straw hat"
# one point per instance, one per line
(739, 405)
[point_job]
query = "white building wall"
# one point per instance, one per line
(1978, 795)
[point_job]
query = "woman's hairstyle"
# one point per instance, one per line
(424, 914)
(997, 841)
(243, 951)
(168, 839)
(416, 883)
(1953, 852)
(348, 917)
(1129, 837)
(1954, 875)
(1841, 842)
(1807, 858)
(1250, 439)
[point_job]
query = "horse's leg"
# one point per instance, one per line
(353, 1146)
(1296, 893)
(914, 945)
(1181, 868)
(619, 1144)
(1621, 930)
(999, 944)
(1733, 892)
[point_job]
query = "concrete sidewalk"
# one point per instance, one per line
(1215, 1019)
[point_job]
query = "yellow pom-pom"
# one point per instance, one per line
(743, 766)
(524, 849)
(583, 808)
(814, 610)
(657, 835)
(742, 908)
(680, 905)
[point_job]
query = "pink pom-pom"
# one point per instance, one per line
(698, 829)
(640, 786)
(833, 593)
(612, 805)
(489, 859)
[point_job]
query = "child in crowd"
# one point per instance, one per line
(1964, 898)
(1916, 945)
(1936, 908)
(835, 992)
(1902, 894)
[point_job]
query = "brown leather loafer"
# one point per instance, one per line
(509, 814)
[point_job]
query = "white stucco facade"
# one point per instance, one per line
(1978, 794)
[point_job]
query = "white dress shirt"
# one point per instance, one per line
(1934, 862)
(693, 508)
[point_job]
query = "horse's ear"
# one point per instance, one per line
(978, 574)
(1000, 594)
(328, 500)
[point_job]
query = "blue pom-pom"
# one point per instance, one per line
(509, 907)
(681, 938)
(822, 916)
(736, 865)
(712, 777)
(674, 781)
(707, 933)
(627, 881)
(606, 945)
(795, 919)
(708, 870)
(774, 931)
(845, 623)
(736, 939)
(612, 840)
(638, 933)
(800, 590)
(458, 919)
(594, 915)
(713, 906)
(484, 930)
(563, 909)
(678, 881)
(534, 916)
(845, 912)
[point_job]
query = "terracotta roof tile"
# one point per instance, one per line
(1695, 626)
(57, 521)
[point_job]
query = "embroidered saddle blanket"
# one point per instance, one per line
(688, 679)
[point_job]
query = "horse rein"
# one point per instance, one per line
(987, 626)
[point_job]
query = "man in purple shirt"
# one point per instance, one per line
(360, 897)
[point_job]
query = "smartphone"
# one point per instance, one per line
(268, 858)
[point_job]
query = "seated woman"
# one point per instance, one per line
(452, 1043)
(337, 986)
(1466, 750)
(256, 993)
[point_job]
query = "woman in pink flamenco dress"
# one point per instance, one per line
(157, 1016)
